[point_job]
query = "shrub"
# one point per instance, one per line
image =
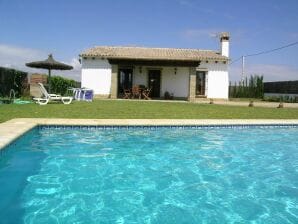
(248, 88)
(168, 96)
(60, 85)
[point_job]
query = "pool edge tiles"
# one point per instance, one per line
(154, 127)
(15, 128)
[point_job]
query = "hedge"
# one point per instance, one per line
(249, 88)
(12, 79)
(60, 85)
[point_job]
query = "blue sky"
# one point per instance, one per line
(32, 29)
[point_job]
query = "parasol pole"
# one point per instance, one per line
(49, 80)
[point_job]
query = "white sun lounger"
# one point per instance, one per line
(51, 97)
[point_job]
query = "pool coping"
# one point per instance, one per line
(13, 129)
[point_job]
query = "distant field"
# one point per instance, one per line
(124, 109)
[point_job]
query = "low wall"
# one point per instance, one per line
(290, 95)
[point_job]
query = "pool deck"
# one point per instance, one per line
(12, 129)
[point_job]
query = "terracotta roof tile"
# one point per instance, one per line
(143, 53)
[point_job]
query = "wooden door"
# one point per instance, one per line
(154, 82)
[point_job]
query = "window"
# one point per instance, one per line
(124, 80)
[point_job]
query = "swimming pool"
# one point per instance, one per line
(151, 175)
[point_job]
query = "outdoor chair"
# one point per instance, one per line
(83, 94)
(51, 97)
(127, 94)
(146, 93)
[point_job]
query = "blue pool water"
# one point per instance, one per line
(159, 175)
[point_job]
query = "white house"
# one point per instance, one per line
(185, 73)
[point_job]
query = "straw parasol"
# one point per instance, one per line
(49, 64)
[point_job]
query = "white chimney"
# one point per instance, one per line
(224, 43)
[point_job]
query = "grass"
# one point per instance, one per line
(122, 109)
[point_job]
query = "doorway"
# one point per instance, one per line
(200, 83)
(124, 80)
(154, 82)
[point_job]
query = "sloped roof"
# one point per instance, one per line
(143, 53)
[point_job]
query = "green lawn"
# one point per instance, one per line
(141, 109)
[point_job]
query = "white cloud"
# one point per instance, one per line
(75, 64)
(75, 73)
(16, 57)
(195, 34)
(18, 52)
(200, 33)
(271, 72)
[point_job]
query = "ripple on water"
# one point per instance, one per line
(159, 176)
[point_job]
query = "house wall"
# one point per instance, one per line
(217, 79)
(140, 77)
(177, 84)
(96, 75)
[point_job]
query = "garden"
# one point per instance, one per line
(129, 109)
